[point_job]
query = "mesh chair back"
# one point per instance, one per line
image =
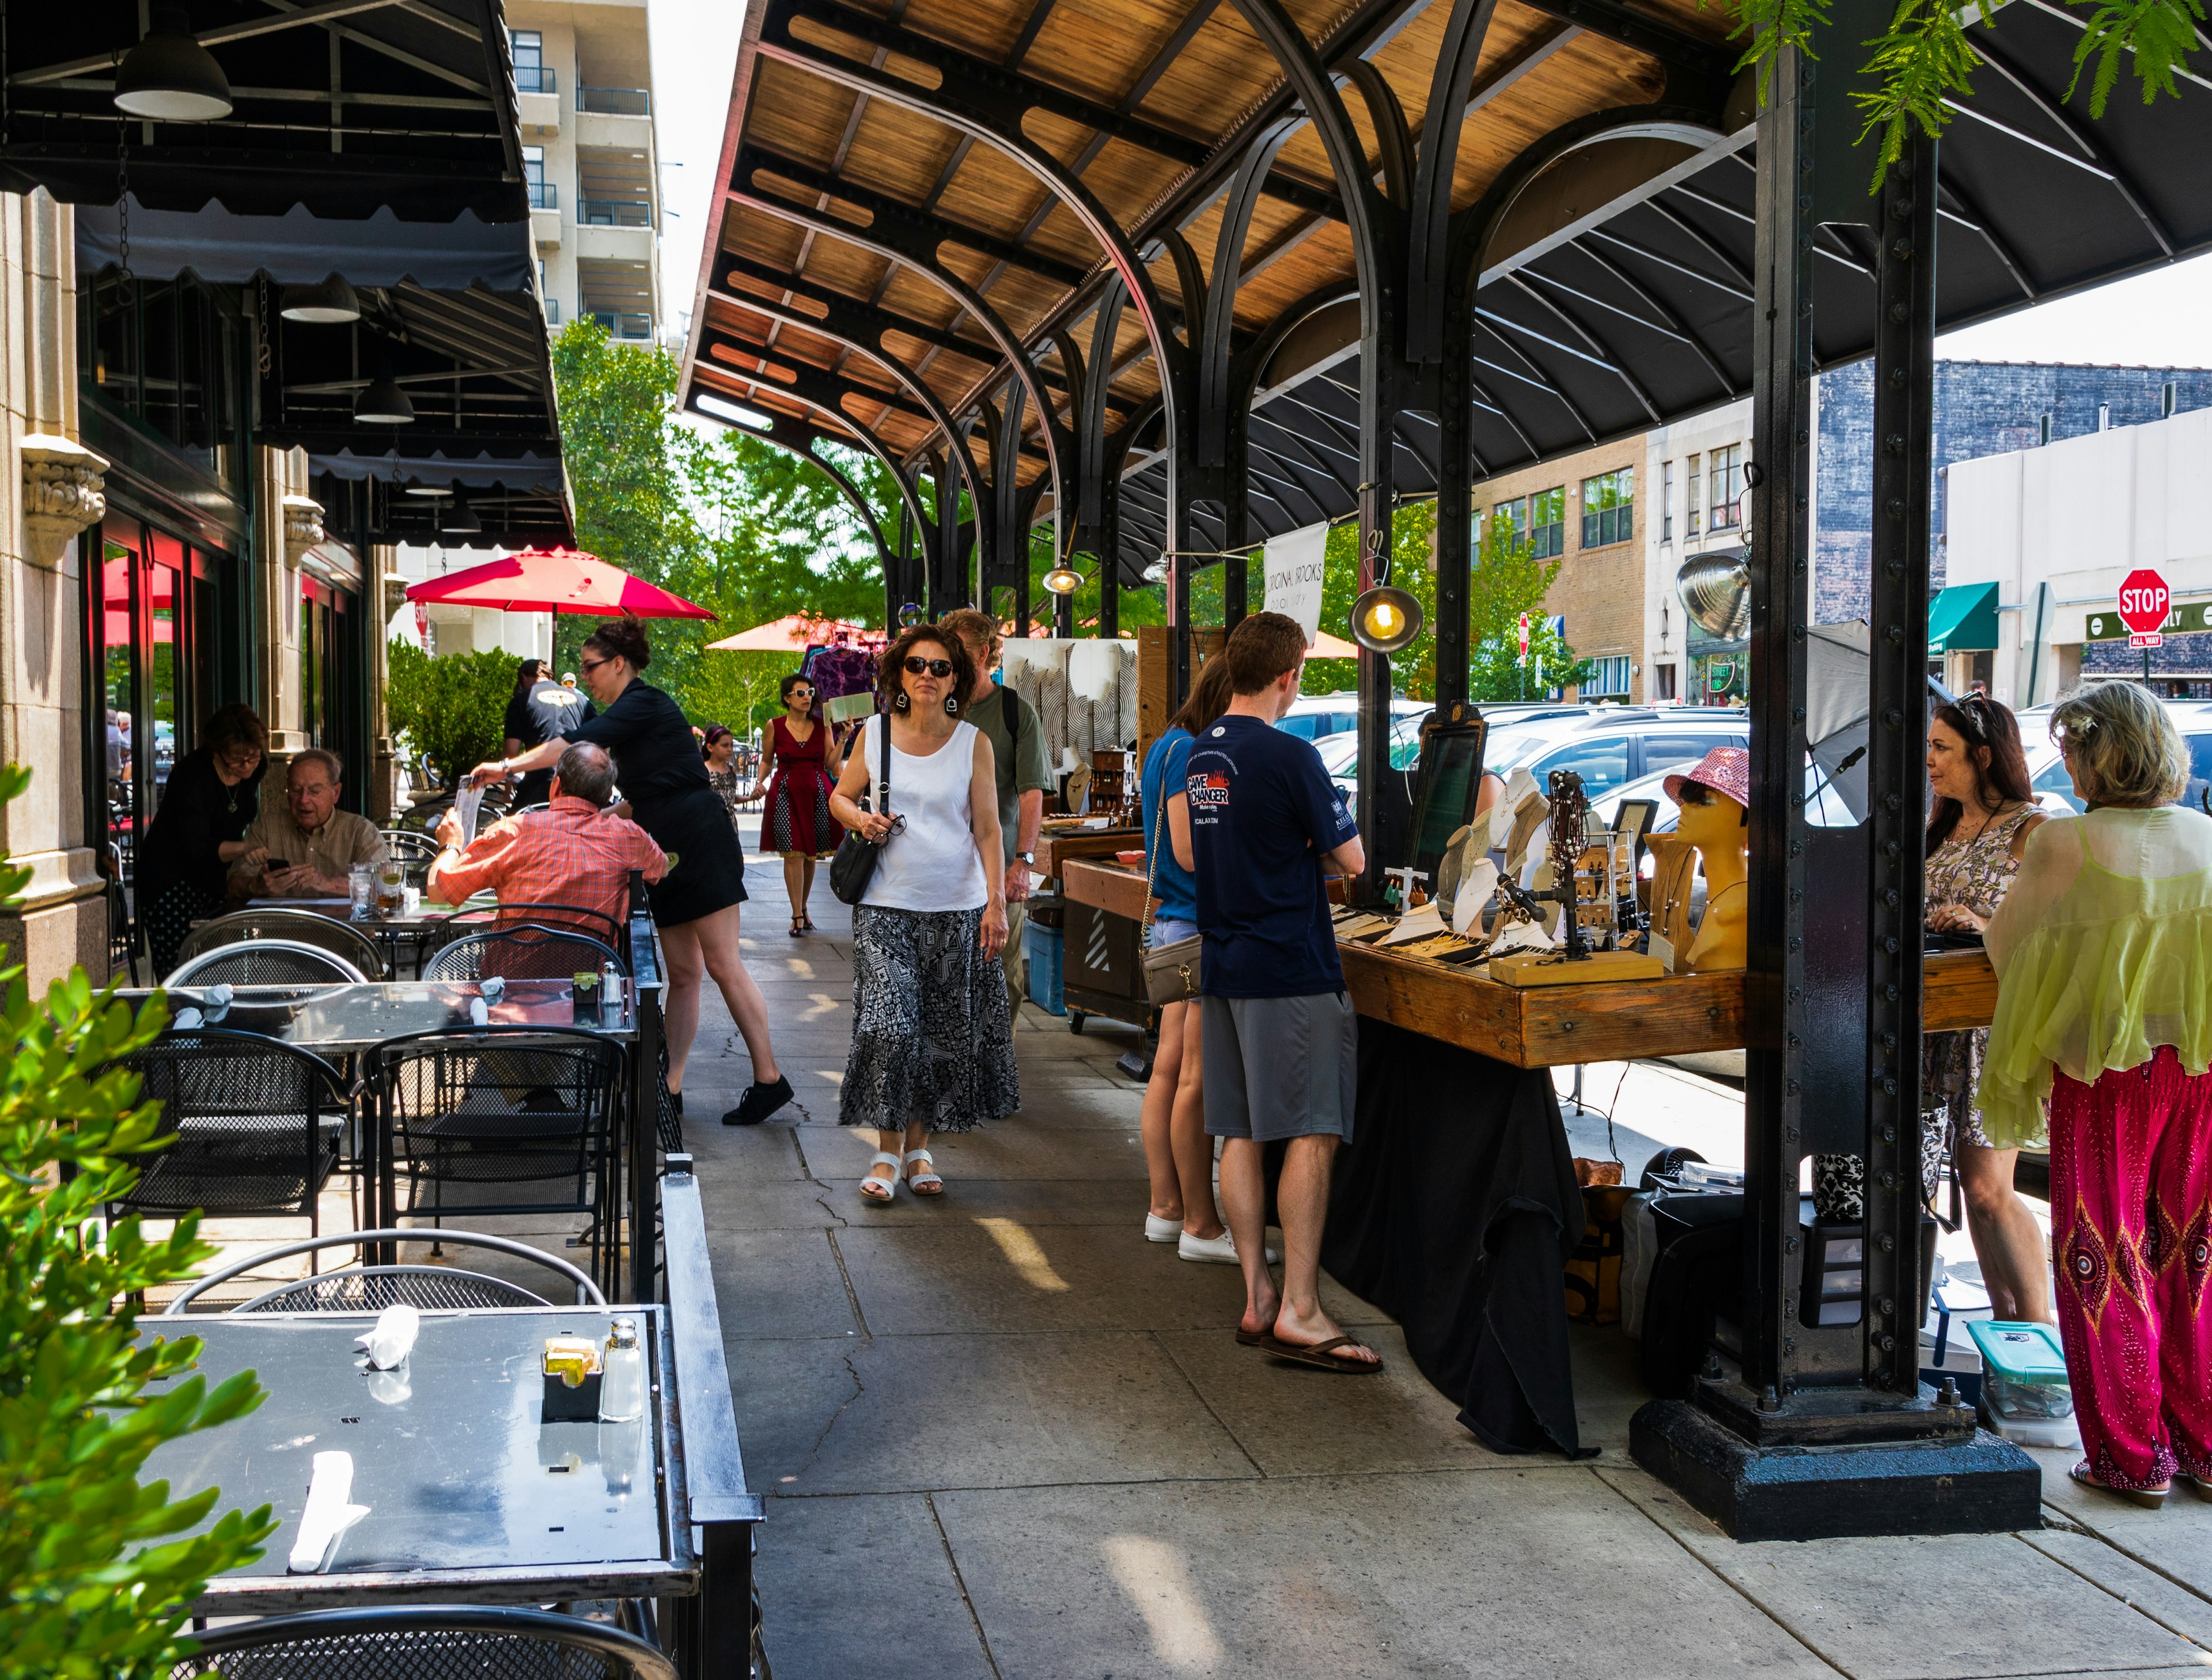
(372, 1288)
(577, 1289)
(266, 963)
(426, 1642)
(564, 917)
(521, 951)
(248, 1120)
(302, 927)
(500, 1105)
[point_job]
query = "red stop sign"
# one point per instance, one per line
(2144, 602)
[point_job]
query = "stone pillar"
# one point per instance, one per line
(383, 592)
(50, 492)
(289, 523)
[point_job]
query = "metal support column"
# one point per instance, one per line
(1818, 1429)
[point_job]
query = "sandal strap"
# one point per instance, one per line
(919, 1154)
(884, 1158)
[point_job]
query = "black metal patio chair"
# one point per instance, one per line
(302, 927)
(372, 1288)
(423, 1642)
(466, 1112)
(264, 962)
(254, 1126)
(522, 951)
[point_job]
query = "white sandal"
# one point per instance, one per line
(881, 1190)
(926, 1182)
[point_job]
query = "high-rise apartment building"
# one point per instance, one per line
(583, 76)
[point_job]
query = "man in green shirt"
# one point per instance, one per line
(1024, 775)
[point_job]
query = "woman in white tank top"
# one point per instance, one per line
(932, 1034)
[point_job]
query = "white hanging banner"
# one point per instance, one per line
(1293, 562)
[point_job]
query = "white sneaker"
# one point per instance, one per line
(1158, 1229)
(1219, 1250)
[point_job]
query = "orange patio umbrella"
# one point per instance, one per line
(787, 634)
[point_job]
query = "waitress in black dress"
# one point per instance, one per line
(660, 774)
(185, 855)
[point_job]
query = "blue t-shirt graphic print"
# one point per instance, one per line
(1263, 815)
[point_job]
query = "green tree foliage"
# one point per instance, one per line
(96, 1583)
(452, 709)
(741, 527)
(1505, 581)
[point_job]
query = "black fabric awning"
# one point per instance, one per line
(418, 119)
(298, 248)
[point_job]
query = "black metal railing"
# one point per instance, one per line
(615, 101)
(613, 213)
(533, 79)
(623, 323)
(544, 196)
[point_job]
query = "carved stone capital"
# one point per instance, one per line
(303, 527)
(395, 593)
(64, 491)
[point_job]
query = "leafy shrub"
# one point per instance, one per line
(453, 708)
(88, 1598)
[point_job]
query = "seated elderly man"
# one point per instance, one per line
(576, 851)
(305, 847)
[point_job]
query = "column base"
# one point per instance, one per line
(1977, 1485)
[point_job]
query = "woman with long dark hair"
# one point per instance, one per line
(799, 768)
(185, 857)
(1981, 811)
(663, 777)
(1178, 1154)
(933, 1033)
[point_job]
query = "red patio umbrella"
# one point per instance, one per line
(554, 580)
(795, 632)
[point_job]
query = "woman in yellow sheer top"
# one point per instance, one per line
(2103, 950)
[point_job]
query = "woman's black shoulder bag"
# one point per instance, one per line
(855, 865)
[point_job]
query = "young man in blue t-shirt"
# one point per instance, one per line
(1267, 827)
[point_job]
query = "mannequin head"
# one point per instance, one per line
(1711, 821)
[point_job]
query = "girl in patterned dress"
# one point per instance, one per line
(799, 768)
(932, 1034)
(1984, 811)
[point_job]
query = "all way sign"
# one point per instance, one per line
(2145, 602)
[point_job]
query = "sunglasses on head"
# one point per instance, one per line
(916, 665)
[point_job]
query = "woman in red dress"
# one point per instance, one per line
(798, 766)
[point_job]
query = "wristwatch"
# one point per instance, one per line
(1029, 858)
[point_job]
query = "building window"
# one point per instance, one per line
(531, 75)
(1726, 483)
(533, 175)
(1609, 677)
(1665, 675)
(1692, 511)
(1609, 508)
(1547, 523)
(1666, 501)
(172, 355)
(1515, 513)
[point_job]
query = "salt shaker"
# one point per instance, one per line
(610, 994)
(622, 1382)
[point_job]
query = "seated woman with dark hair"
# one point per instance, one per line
(212, 794)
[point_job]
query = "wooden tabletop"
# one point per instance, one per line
(1554, 1026)
(1104, 884)
(1054, 851)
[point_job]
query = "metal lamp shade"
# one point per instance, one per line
(384, 404)
(909, 615)
(1063, 580)
(329, 302)
(1385, 620)
(169, 77)
(1716, 592)
(460, 519)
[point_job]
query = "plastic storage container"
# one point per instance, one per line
(2025, 1395)
(1041, 946)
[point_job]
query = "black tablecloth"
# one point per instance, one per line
(1454, 1211)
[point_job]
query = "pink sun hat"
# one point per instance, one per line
(1725, 770)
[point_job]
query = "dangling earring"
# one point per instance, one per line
(900, 702)
(952, 704)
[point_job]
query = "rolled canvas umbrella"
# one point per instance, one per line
(1835, 716)
(554, 580)
(787, 634)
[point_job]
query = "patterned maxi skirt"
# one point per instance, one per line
(932, 1039)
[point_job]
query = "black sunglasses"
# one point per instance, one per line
(916, 665)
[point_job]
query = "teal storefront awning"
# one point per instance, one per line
(1963, 617)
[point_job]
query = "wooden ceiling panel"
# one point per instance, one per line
(898, 153)
(1098, 48)
(988, 28)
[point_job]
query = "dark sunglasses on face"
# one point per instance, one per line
(916, 665)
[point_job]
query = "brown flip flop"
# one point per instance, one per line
(1319, 1355)
(1254, 1339)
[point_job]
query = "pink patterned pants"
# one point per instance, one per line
(2132, 1229)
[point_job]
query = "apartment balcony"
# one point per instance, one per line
(623, 323)
(619, 119)
(545, 216)
(613, 213)
(615, 101)
(537, 103)
(615, 230)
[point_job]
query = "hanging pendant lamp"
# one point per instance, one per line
(329, 302)
(459, 519)
(384, 404)
(170, 77)
(1063, 580)
(1385, 620)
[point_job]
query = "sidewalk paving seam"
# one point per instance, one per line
(1734, 1586)
(2140, 1609)
(961, 1581)
(852, 1295)
(1152, 1482)
(1191, 1383)
(2055, 1518)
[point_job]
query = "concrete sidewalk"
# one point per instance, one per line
(1003, 1435)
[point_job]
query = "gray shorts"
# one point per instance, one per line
(1280, 1067)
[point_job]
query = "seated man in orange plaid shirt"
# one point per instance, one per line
(576, 851)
